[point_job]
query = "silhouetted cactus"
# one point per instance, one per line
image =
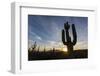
(34, 46)
(44, 49)
(53, 50)
(66, 38)
(38, 48)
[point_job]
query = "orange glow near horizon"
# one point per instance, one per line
(64, 49)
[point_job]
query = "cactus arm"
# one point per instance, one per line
(74, 34)
(63, 37)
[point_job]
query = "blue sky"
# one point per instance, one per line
(46, 30)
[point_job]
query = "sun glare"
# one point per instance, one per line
(65, 49)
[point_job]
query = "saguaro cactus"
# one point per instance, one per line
(66, 38)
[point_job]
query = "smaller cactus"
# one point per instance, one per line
(44, 49)
(34, 46)
(53, 50)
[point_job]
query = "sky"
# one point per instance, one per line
(46, 31)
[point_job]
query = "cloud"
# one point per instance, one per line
(54, 44)
(34, 35)
(38, 37)
(81, 45)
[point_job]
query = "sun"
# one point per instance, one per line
(65, 49)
